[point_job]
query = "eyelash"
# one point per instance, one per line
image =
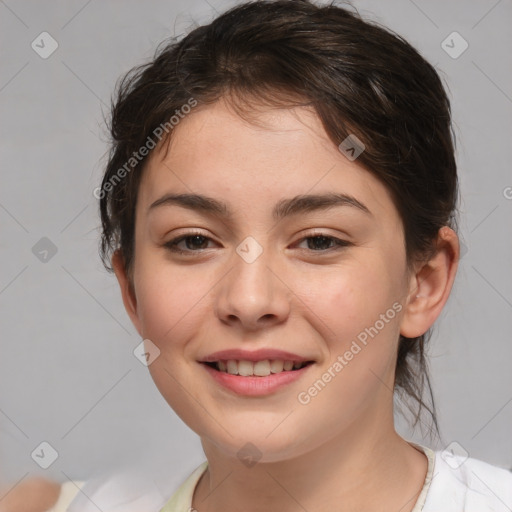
(171, 245)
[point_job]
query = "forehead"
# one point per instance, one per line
(277, 153)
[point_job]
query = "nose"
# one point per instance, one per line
(253, 295)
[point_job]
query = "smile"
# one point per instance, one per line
(255, 378)
(262, 368)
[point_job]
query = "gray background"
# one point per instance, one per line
(67, 372)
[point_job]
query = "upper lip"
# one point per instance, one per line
(253, 355)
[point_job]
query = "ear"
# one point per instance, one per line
(430, 285)
(127, 289)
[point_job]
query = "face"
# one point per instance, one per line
(262, 272)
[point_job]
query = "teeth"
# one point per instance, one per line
(288, 365)
(245, 368)
(276, 366)
(232, 367)
(259, 368)
(262, 368)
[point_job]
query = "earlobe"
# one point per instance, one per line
(430, 286)
(127, 289)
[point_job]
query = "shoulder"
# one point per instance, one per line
(181, 500)
(461, 483)
(68, 492)
(125, 489)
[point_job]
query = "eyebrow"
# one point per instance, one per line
(283, 208)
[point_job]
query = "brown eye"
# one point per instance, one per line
(324, 243)
(190, 242)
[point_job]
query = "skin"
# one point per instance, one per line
(342, 447)
(32, 495)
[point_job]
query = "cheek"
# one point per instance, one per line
(172, 306)
(351, 299)
(168, 303)
(357, 314)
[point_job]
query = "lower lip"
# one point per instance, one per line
(256, 386)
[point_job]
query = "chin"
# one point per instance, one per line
(250, 444)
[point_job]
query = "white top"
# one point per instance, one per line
(452, 484)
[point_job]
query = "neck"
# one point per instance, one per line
(366, 468)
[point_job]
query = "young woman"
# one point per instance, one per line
(279, 209)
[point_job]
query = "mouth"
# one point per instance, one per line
(262, 368)
(256, 373)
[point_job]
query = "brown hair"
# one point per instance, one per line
(360, 78)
